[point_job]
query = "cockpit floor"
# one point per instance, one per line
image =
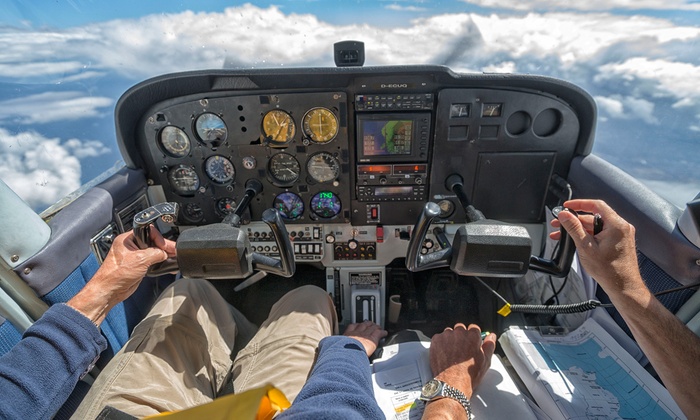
(430, 300)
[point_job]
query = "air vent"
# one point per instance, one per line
(125, 217)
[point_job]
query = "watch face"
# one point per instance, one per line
(431, 389)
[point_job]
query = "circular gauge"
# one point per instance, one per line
(225, 205)
(289, 205)
(174, 141)
(447, 207)
(323, 167)
(278, 127)
(325, 204)
(284, 168)
(211, 128)
(320, 125)
(183, 180)
(219, 169)
(193, 212)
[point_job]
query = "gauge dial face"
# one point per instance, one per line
(492, 110)
(174, 141)
(211, 128)
(323, 167)
(183, 180)
(219, 169)
(289, 205)
(320, 125)
(284, 169)
(278, 127)
(325, 204)
(193, 212)
(225, 205)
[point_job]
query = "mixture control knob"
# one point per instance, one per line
(353, 244)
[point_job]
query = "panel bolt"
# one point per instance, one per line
(27, 270)
(14, 258)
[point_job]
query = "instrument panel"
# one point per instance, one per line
(295, 144)
(360, 147)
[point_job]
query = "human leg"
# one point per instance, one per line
(283, 350)
(179, 356)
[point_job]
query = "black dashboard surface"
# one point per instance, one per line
(358, 146)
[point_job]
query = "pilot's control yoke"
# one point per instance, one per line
(483, 247)
(219, 250)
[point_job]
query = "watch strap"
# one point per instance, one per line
(456, 394)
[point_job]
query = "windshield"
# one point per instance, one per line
(65, 63)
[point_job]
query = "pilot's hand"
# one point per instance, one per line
(368, 333)
(460, 358)
(610, 256)
(120, 274)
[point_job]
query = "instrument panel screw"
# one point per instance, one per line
(27, 270)
(14, 258)
(204, 102)
(697, 262)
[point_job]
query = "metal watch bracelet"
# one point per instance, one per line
(458, 395)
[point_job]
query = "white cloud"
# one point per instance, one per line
(503, 67)
(596, 5)
(52, 106)
(679, 80)
(627, 108)
(85, 148)
(42, 170)
(575, 38)
(398, 8)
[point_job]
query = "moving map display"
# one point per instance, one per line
(387, 137)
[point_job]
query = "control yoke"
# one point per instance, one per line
(483, 247)
(220, 250)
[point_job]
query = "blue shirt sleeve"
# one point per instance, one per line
(340, 385)
(38, 374)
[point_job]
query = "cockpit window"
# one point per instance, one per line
(64, 64)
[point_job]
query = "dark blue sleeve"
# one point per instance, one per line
(38, 374)
(340, 385)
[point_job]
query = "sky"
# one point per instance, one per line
(64, 64)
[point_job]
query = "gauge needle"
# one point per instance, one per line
(282, 127)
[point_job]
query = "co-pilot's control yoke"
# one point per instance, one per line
(483, 247)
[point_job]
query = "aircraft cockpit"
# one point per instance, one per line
(416, 196)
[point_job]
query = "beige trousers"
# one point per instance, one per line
(180, 355)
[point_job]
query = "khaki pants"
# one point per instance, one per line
(179, 356)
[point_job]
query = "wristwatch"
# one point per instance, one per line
(435, 389)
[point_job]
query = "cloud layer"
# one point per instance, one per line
(43, 170)
(589, 5)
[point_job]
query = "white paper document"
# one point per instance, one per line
(402, 370)
(585, 374)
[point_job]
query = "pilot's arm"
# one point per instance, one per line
(610, 257)
(38, 374)
(340, 384)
